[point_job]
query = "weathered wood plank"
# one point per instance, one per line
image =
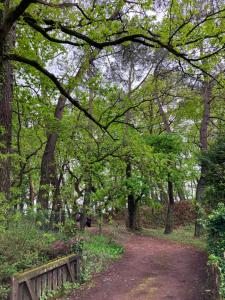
(50, 283)
(44, 279)
(15, 289)
(31, 291)
(59, 270)
(38, 286)
(70, 272)
(64, 274)
(55, 279)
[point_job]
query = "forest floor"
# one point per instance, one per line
(150, 269)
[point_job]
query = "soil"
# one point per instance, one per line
(150, 269)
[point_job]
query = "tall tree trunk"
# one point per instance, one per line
(169, 215)
(87, 169)
(132, 205)
(200, 190)
(131, 201)
(57, 213)
(87, 199)
(48, 168)
(6, 94)
(31, 191)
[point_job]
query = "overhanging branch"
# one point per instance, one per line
(53, 78)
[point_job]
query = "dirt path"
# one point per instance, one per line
(151, 269)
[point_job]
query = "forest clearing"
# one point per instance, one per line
(112, 149)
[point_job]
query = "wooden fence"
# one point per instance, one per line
(31, 285)
(214, 282)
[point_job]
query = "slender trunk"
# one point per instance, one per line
(48, 168)
(87, 172)
(131, 201)
(169, 216)
(163, 194)
(100, 220)
(6, 95)
(132, 209)
(132, 205)
(181, 194)
(200, 190)
(79, 195)
(31, 191)
(87, 169)
(87, 199)
(162, 114)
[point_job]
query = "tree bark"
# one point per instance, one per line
(57, 213)
(169, 215)
(6, 95)
(131, 201)
(31, 191)
(87, 199)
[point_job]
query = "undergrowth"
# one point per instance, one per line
(23, 246)
(216, 242)
(182, 234)
(98, 251)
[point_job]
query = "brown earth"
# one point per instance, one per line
(150, 269)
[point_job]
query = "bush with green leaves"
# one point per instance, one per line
(214, 163)
(216, 241)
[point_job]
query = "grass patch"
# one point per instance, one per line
(182, 235)
(98, 251)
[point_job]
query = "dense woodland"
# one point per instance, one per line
(107, 107)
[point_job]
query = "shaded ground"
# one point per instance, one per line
(150, 269)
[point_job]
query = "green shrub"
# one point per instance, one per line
(216, 241)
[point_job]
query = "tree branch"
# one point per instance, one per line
(52, 77)
(13, 16)
(33, 23)
(64, 5)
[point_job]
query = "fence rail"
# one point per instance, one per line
(31, 285)
(214, 282)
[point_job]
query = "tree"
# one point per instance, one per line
(168, 145)
(6, 95)
(213, 161)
